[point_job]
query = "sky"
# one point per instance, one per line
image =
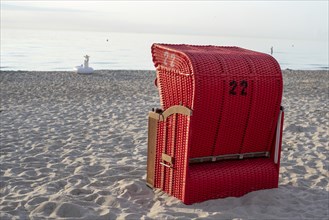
(263, 19)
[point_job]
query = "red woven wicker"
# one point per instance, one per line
(234, 95)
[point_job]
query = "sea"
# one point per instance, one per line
(50, 50)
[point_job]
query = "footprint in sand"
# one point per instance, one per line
(60, 210)
(69, 210)
(32, 203)
(80, 191)
(89, 170)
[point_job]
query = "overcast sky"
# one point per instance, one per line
(268, 19)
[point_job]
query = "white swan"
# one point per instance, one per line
(84, 69)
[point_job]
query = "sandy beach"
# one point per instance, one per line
(74, 147)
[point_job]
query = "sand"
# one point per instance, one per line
(74, 147)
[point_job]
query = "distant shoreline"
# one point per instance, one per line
(130, 51)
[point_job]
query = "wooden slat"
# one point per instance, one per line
(164, 147)
(155, 115)
(151, 148)
(229, 157)
(173, 143)
(278, 137)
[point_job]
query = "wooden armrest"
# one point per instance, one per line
(175, 109)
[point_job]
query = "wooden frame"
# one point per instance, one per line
(154, 118)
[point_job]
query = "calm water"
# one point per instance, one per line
(62, 50)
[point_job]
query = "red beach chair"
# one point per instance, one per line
(219, 131)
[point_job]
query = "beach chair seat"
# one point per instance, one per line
(218, 132)
(229, 178)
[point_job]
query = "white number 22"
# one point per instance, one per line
(169, 57)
